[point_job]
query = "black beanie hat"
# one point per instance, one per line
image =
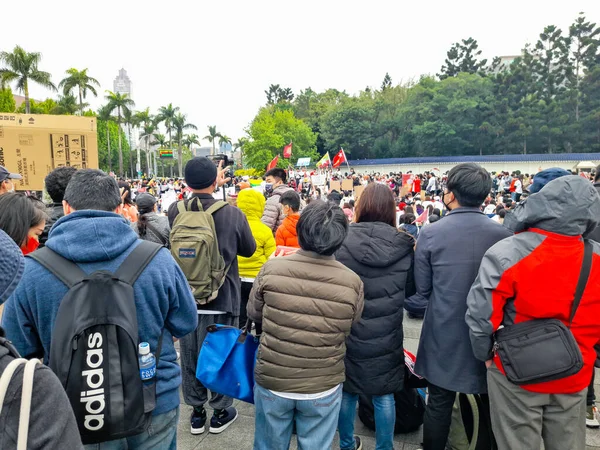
(200, 173)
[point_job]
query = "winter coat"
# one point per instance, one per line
(411, 229)
(382, 257)
(447, 259)
(511, 287)
(307, 304)
(157, 232)
(273, 215)
(286, 233)
(252, 204)
(99, 240)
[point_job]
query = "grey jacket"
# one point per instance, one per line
(52, 423)
(447, 260)
(157, 232)
(273, 215)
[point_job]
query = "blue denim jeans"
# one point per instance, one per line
(315, 420)
(385, 421)
(160, 435)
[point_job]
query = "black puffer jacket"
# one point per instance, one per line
(383, 258)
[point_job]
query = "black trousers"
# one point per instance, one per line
(246, 288)
(438, 415)
(591, 397)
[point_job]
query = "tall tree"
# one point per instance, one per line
(120, 102)
(22, 67)
(191, 139)
(276, 94)
(180, 124)
(67, 105)
(166, 114)
(223, 140)
(80, 81)
(462, 57)
(387, 82)
(212, 136)
(105, 114)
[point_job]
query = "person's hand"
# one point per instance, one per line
(488, 363)
(221, 180)
(278, 255)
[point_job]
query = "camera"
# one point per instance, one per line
(226, 165)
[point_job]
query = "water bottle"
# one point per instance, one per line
(147, 363)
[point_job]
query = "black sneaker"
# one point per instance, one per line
(198, 420)
(221, 419)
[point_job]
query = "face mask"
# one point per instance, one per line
(269, 188)
(445, 204)
(31, 246)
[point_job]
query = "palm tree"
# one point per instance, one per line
(82, 82)
(166, 114)
(67, 105)
(161, 141)
(104, 113)
(120, 102)
(224, 140)
(130, 121)
(22, 67)
(213, 134)
(191, 139)
(240, 144)
(149, 127)
(180, 124)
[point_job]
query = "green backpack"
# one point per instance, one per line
(471, 427)
(195, 247)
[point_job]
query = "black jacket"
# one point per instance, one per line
(235, 238)
(383, 258)
(55, 211)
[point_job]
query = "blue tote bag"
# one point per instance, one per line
(226, 362)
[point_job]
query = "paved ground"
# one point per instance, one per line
(240, 435)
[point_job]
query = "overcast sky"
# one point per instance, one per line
(214, 59)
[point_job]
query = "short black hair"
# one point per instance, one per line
(92, 189)
(277, 173)
(470, 183)
(291, 199)
(127, 191)
(18, 213)
(56, 182)
(322, 228)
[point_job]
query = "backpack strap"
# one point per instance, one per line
(7, 376)
(216, 206)
(136, 262)
(66, 271)
(584, 274)
(26, 403)
(158, 234)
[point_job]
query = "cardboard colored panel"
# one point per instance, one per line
(358, 190)
(334, 185)
(347, 185)
(34, 144)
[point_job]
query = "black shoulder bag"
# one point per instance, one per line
(543, 350)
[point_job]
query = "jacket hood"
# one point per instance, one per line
(568, 205)
(290, 223)
(91, 236)
(252, 203)
(376, 244)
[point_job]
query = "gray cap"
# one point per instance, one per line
(6, 175)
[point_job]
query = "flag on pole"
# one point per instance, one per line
(273, 163)
(339, 159)
(325, 161)
(287, 151)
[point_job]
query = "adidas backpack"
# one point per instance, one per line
(195, 247)
(94, 348)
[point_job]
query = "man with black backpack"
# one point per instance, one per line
(88, 301)
(207, 235)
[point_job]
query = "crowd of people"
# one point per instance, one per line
(323, 277)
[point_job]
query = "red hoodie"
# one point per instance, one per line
(286, 233)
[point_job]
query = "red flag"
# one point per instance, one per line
(339, 159)
(273, 163)
(423, 217)
(287, 151)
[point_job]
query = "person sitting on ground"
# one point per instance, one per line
(150, 226)
(307, 303)
(287, 235)
(56, 182)
(52, 424)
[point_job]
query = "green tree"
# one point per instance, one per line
(212, 136)
(67, 105)
(276, 94)
(180, 124)
(270, 131)
(387, 82)
(81, 82)
(22, 67)
(7, 100)
(462, 57)
(166, 114)
(223, 140)
(120, 102)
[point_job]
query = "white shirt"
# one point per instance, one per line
(295, 396)
(518, 187)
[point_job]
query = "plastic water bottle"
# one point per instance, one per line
(147, 363)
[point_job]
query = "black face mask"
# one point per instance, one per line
(445, 204)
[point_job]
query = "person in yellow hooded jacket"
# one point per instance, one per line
(252, 203)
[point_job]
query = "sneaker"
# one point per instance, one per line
(198, 420)
(221, 419)
(591, 418)
(358, 445)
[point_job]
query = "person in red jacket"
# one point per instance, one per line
(286, 233)
(533, 275)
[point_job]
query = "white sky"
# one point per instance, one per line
(215, 58)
